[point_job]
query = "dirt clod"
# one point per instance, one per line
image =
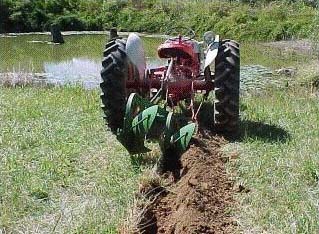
(199, 200)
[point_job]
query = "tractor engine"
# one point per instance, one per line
(184, 67)
(185, 53)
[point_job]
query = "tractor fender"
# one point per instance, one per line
(211, 52)
(135, 52)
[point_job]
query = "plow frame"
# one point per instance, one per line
(176, 90)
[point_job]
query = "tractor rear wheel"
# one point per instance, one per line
(114, 75)
(226, 82)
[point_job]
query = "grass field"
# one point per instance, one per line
(60, 171)
(278, 163)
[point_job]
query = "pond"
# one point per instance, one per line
(79, 59)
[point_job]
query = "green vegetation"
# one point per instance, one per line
(259, 20)
(60, 171)
(279, 160)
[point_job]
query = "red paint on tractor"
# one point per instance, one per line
(184, 78)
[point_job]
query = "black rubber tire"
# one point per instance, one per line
(226, 83)
(114, 75)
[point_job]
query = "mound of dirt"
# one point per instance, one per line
(199, 197)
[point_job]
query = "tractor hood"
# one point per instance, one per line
(186, 49)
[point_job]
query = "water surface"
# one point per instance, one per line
(79, 59)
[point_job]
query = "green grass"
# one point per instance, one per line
(279, 162)
(60, 170)
(271, 57)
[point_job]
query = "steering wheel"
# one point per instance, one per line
(186, 33)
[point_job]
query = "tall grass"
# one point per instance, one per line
(315, 34)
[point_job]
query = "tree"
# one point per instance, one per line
(5, 12)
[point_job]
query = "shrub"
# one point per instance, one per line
(71, 22)
(5, 11)
(258, 20)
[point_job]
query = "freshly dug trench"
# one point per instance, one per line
(199, 198)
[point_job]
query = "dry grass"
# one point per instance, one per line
(149, 185)
(22, 79)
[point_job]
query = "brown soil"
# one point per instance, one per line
(199, 196)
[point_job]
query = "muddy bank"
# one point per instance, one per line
(12, 79)
(199, 197)
(253, 77)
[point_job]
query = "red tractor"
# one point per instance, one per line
(141, 103)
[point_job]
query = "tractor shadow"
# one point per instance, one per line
(267, 133)
(248, 129)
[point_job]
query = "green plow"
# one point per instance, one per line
(144, 120)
